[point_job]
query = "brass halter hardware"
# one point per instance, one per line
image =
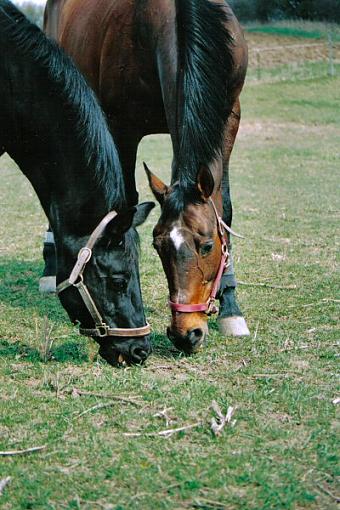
(76, 279)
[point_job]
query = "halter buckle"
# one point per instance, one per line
(102, 329)
(225, 251)
(84, 256)
(212, 308)
(79, 282)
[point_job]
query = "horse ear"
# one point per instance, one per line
(158, 188)
(132, 217)
(142, 212)
(205, 182)
(119, 225)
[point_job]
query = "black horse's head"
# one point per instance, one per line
(112, 286)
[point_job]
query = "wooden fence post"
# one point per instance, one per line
(331, 68)
(258, 65)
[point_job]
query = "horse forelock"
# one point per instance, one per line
(90, 123)
(181, 196)
(205, 66)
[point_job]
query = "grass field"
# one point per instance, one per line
(280, 451)
(296, 28)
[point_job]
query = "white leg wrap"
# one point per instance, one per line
(233, 326)
(47, 284)
(49, 237)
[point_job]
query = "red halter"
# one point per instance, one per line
(209, 307)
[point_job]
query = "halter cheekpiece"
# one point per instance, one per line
(76, 279)
(209, 307)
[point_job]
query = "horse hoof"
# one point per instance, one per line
(47, 284)
(233, 326)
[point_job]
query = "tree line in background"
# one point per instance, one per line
(249, 10)
(270, 10)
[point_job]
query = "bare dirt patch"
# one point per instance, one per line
(276, 129)
(274, 50)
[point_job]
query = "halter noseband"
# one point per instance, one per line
(209, 307)
(76, 279)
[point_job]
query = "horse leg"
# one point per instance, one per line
(230, 319)
(47, 283)
(127, 148)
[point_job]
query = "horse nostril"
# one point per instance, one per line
(195, 335)
(138, 354)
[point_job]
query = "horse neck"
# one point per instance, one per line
(194, 65)
(56, 167)
(45, 143)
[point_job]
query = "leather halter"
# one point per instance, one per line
(76, 279)
(209, 307)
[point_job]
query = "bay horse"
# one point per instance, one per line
(178, 67)
(52, 126)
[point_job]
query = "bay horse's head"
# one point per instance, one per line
(190, 240)
(98, 285)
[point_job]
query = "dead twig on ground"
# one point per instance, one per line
(268, 285)
(163, 433)
(96, 407)
(326, 491)
(163, 367)
(77, 392)
(22, 452)
(4, 482)
(243, 363)
(316, 303)
(217, 425)
(164, 415)
(267, 376)
(205, 503)
(91, 504)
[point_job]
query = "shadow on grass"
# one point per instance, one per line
(67, 352)
(19, 288)
(163, 347)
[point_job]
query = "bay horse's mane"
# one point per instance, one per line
(64, 78)
(205, 64)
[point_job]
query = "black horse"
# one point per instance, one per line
(52, 126)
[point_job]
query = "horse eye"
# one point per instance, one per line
(206, 248)
(118, 283)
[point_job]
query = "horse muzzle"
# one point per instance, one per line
(190, 341)
(133, 351)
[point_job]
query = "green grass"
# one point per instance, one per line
(281, 452)
(286, 32)
(302, 70)
(297, 28)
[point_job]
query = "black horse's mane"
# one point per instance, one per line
(205, 65)
(91, 127)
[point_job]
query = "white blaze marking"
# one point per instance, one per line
(176, 238)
